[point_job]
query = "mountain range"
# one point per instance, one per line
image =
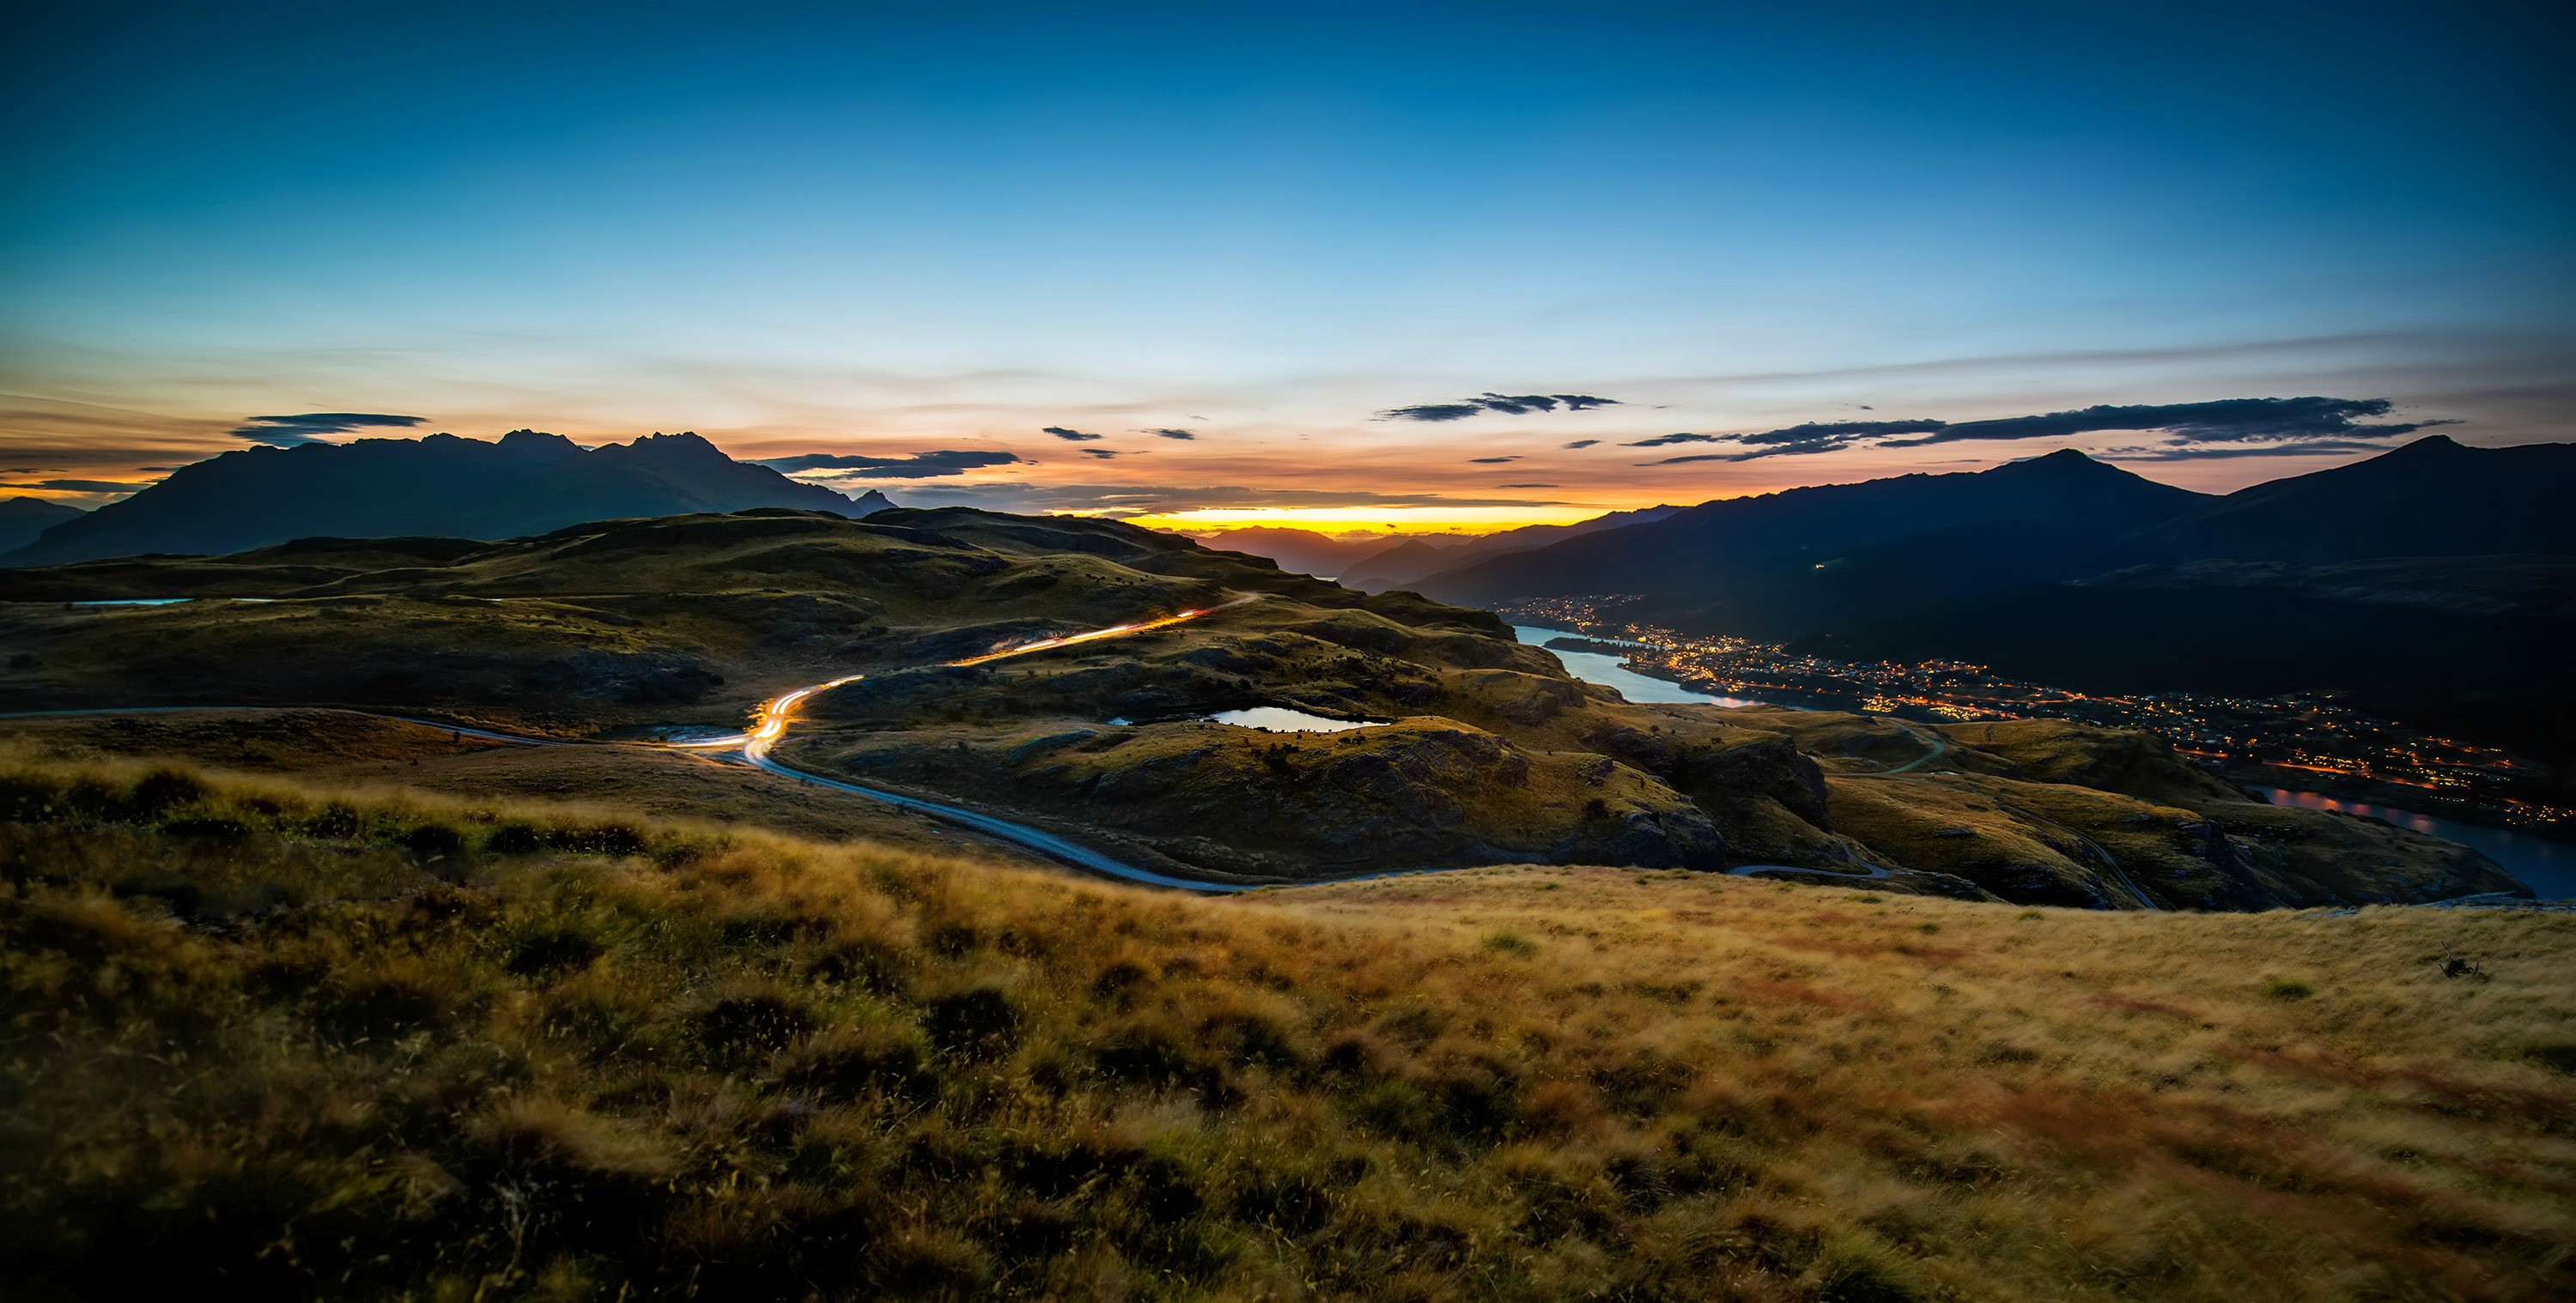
(2436, 583)
(22, 519)
(525, 483)
(1376, 565)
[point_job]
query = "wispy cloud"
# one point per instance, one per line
(1139, 500)
(287, 431)
(2196, 452)
(2280, 423)
(1105, 453)
(1506, 404)
(1171, 433)
(1583, 443)
(1489, 461)
(83, 486)
(920, 465)
(1076, 436)
(1526, 486)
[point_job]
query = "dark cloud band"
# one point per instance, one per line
(287, 431)
(920, 465)
(2276, 424)
(1506, 404)
(1076, 436)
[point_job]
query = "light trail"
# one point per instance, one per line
(1114, 631)
(769, 725)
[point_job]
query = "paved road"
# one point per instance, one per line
(769, 728)
(1939, 744)
(1872, 874)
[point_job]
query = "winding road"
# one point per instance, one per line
(769, 727)
(755, 745)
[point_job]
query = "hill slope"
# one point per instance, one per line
(2434, 497)
(284, 1043)
(525, 483)
(1473, 748)
(1778, 564)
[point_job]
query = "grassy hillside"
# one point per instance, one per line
(1489, 752)
(273, 1039)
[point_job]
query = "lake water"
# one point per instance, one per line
(1605, 669)
(2547, 867)
(1280, 719)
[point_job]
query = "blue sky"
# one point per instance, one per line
(888, 230)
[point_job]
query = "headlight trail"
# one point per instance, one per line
(770, 724)
(1114, 631)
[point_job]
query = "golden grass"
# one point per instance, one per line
(295, 1043)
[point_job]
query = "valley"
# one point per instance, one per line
(1050, 683)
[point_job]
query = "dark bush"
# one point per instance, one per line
(552, 951)
(513, 839)
(164, 788)
(976, 1022)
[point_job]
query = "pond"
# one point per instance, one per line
(1280, 719)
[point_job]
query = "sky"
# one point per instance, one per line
(1366, 266)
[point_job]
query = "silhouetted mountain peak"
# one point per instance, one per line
(686, 446)
(528, 482)
(2064, 466)
(537, 443)
(2429, 447)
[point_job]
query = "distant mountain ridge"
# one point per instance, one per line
(2429, 582)
(1402, 564)
(1771, 565)
(524, 483)
(22, 519)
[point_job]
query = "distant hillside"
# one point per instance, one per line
(2433, 497)
(1298, 551)
(1781, 564)
(526, 483)
(22, 519)
(1406, 563)
(2429, 581)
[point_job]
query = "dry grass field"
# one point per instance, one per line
(267, 1038)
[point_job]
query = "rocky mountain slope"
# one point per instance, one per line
(524, 483)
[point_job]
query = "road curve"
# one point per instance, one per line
(1874, 872)
(769, 727)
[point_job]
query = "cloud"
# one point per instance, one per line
(83, 486)
(1507, 404)
(1526, 486)
(1172, 434)
(2278, 421)
(1139, 500)
(287, 431)
(1489, 461)
(1583, 443)
(1104, 453)
(920, 465)
(2227, 420)
(1076, 436)
(2195, 452)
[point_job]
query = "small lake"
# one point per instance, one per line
(1605, 669)
(2545, 866)
(1280, 719)
(136, 601)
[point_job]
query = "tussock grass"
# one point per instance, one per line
(298, 1042)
